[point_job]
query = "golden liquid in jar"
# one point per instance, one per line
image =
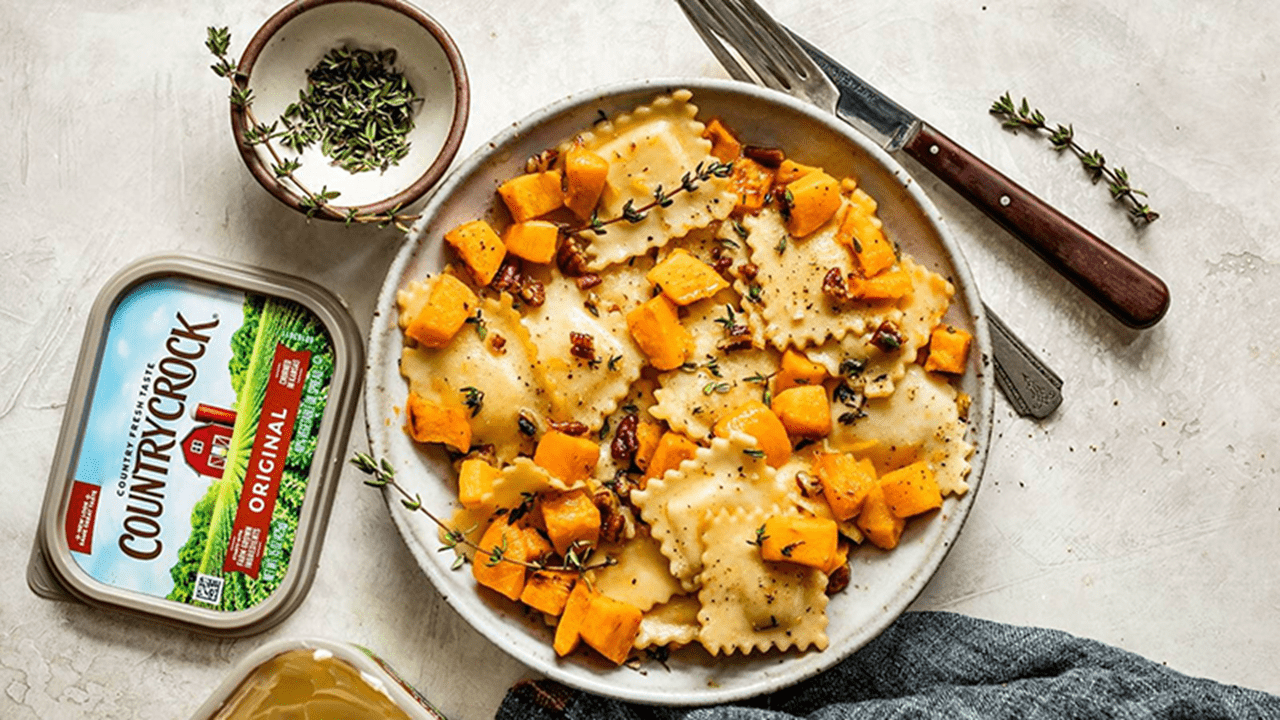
(308, 685)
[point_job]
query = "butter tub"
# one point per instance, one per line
(201, 446)
(315, 678)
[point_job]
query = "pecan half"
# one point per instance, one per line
(583, 346)
(625, 442)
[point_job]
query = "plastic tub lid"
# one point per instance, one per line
(201, 445)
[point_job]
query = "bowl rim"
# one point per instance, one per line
(415, 191)
(472, 613)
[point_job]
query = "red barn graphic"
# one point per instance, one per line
(206, 446)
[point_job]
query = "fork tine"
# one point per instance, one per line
(746, 39)
(779, 39)
(703, 24)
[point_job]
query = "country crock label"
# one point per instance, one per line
(202, 425)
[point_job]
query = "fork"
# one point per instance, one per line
(774, 58)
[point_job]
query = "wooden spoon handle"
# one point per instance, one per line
(1124, 288)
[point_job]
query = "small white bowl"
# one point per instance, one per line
(294, 40)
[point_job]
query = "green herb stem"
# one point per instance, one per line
(1062, 137)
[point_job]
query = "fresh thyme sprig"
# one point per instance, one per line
(382, 474)
(689, 182)
(1062, 137)
(313, 202)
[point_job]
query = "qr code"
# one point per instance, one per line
(208, 589)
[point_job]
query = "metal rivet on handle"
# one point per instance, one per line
(933, 149)
(1004, 200)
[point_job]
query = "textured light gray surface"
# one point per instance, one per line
(1143, 514)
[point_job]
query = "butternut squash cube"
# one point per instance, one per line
(571, 517)
(948, 350)
(611, 627)
(673, 449)
(724, 146)
(431, 422)
(814, 200)
(751, 183)
(877, 521)
(533, 240)
(449, 303)
(505, 578)
(863, 232)
(569, 629)
(789, 171)
(801, 539)
(480, 248)
(648, 435)
(533, 195)
(686, 279)
(804, 411)
(585, 176)
(890, 285)
(846, 481)
(656, 328)
(756, 419)
(548, 590)
(911, 490)
(475, 482)
(568, 457)
(796, 369)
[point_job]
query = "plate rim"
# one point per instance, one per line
(980, 436)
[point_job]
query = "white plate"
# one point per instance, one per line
(883, 583)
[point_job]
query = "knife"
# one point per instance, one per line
(1130, 292)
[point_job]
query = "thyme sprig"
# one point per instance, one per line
(690, 181)
(1062, 137)
(313, 202)
(383, 475)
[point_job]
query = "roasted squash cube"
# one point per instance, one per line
(948, 350)
(655, 326)
(861, 230)
(570, 518)
(480, 248)
(752, 184)
(648, 435)
(877, 521)
(611, 627)
(804, 411)
(686, 279)
(568, 457)
(533, 240)
(548, 590)
(724, 146)
(789, 171)
(432, 422)
(449, 303)
(756, 419)
(796, 369)
(533, 195)
(801, 539)
(673, 449)
(846, 481)
(911, 490)
(475, 482)
(490, 569)
(889, 285)
(813, 200)
(569, 629)
(585, 175)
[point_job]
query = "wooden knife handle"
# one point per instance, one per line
(1124, 288)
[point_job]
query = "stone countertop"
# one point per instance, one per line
(1142, 514)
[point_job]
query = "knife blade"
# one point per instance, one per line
(1130, 292)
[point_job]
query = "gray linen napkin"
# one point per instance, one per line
(943, 665)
